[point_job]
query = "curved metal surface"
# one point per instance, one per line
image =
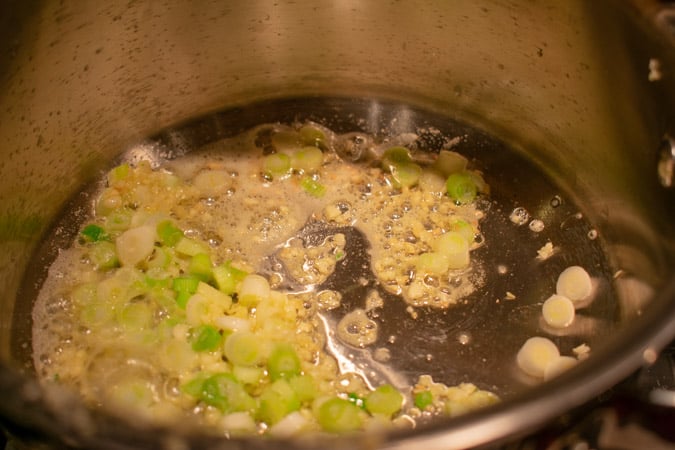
(564, 83)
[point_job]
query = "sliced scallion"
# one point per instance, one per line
(337, 415)
(205, 338)
(312, 187)
(248, 375)
(307, 159)
(449, 162)
(406, 174)
(464, 228)
(160, 258)
(253, 289)
(227, 277)
(103, 254)
(276, 401)
(395, 156)
(283, 362)
(455, 248)
(242, 348)
(201, 267)
(135, 244)
(118, 220)
(169, 234)
(135, 316)
(461, 187)
(311, 135)
(432, 263)
(304, 386)
(118, 173)
(184, 288)
(94, 233)
(226, 393)
(190, 247)
(423, 399)
(277, 164)
(385, 400)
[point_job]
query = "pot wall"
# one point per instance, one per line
(564, 81)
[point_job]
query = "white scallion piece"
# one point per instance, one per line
(432, 181)
(253, 289)
(536, 354)
(558, 366)
(233, 323)
(558, 311)
(201, 309)
(574, 283)
(135, 244)
(242, 348)
(214, 295)
(432, 263)
(450, 162)
(454, 246)
(238, 422)
(289, 426)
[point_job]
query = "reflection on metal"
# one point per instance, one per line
(665, 20)
(361, 362)
(663, 397)
(666, 165)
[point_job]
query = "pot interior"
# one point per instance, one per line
(538, 111)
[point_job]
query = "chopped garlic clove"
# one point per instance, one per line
(535, 354)
(212, 183)
(582, 351)
(574, 283)
(558, 311)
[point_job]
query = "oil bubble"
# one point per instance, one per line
(519, 216)
(382, 355)
(357, 329)
(555, 201)
(536, 225)
(464, 338)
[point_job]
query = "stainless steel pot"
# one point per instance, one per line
(583, 89)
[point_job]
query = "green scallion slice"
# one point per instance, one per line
(423, 399)
(168, 233)
(277, 164)
(184, 288)
(226, 393)
(201, 267)
(307, 159)
(461, 187)
(395, 156)
(205, 338)
(385, 400)
(104, 255)
(283, 362)
(242, 348)
(227, 277)
(94, 233)
(311, 135)
(277, 401)
(313, 187)
(337, 415)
